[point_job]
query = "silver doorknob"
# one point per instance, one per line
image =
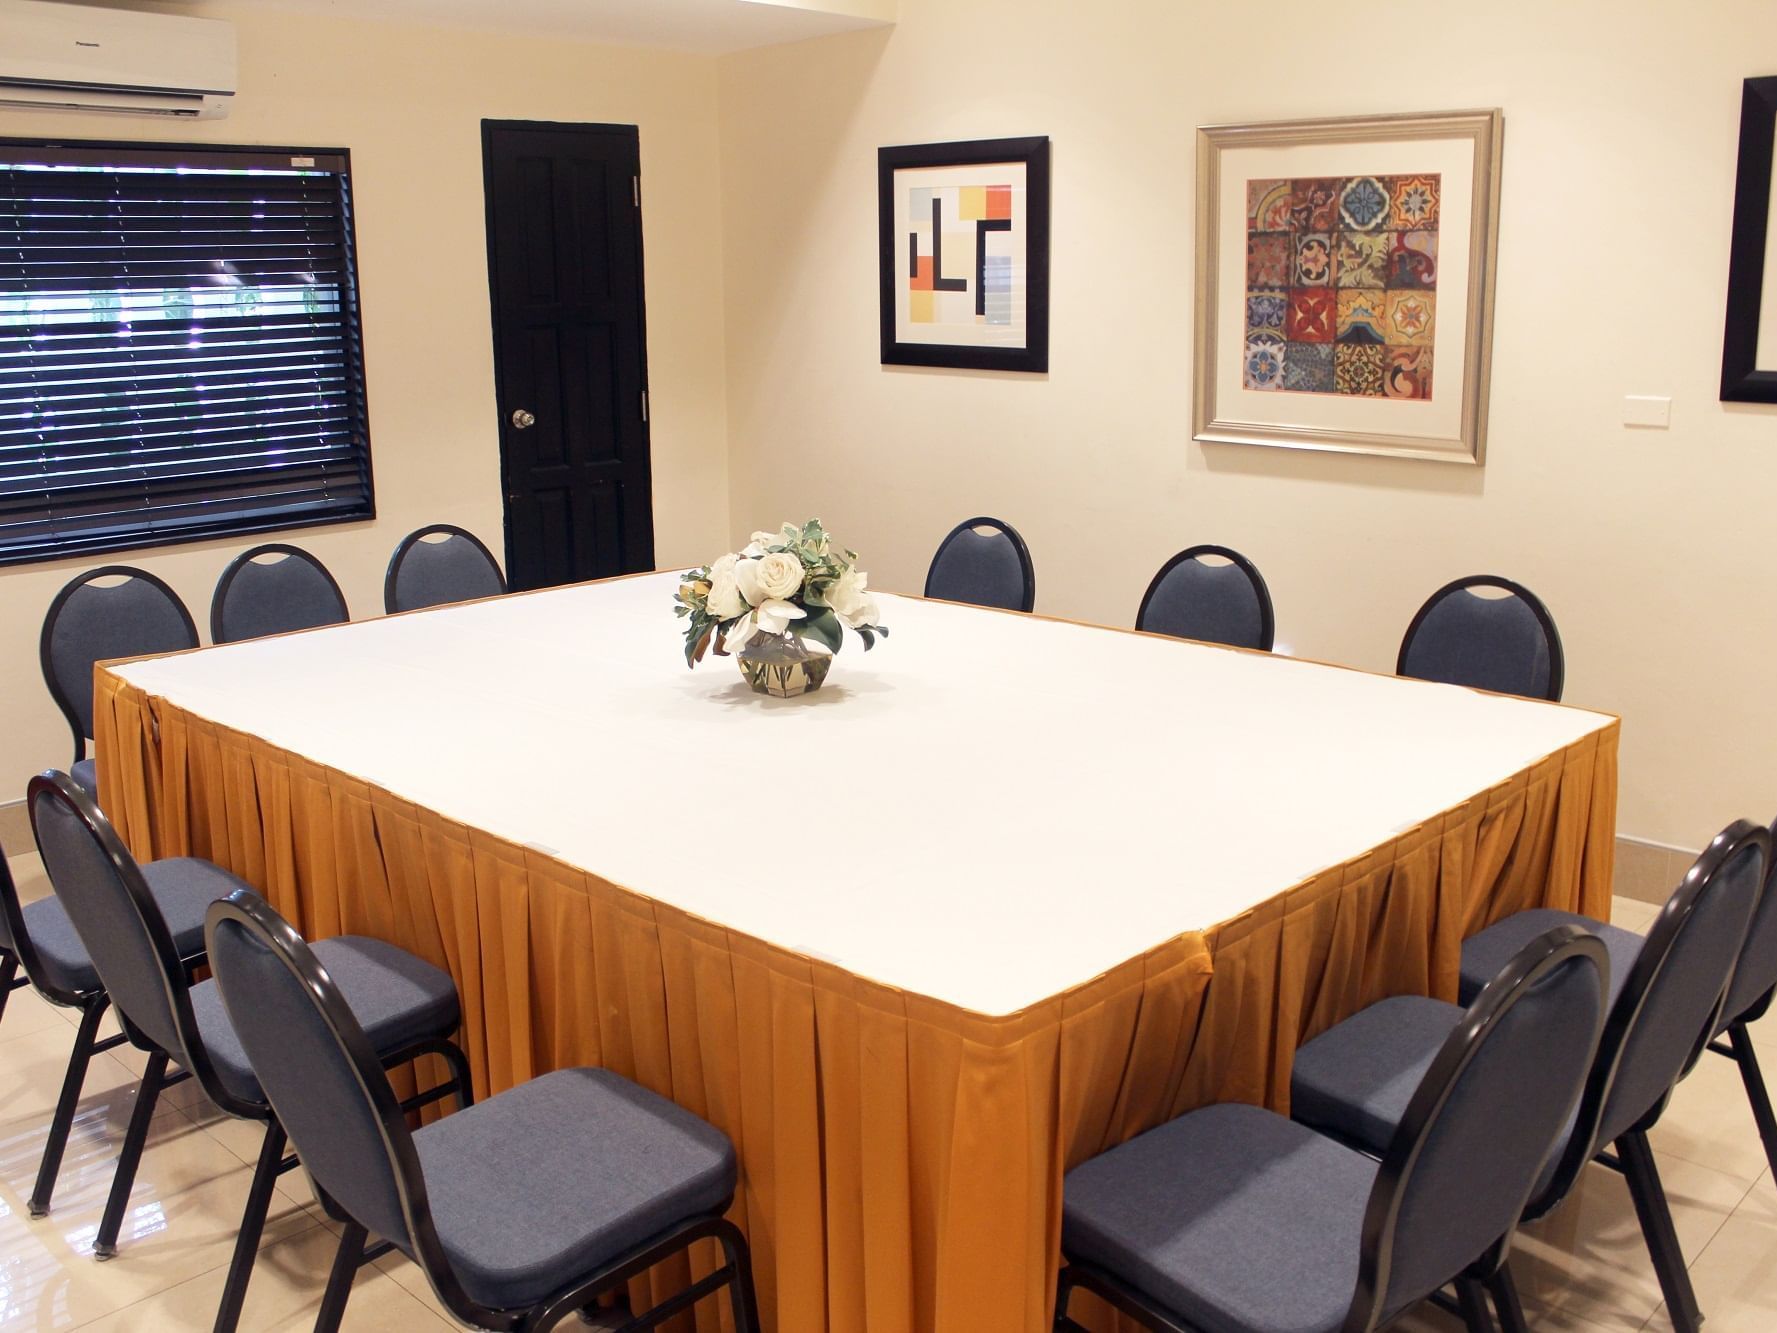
(523, 419)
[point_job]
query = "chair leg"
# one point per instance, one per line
(67, 1104)
(246, 1244)
(105, 1245)
(1656, 1228)
(9, 974)
(459, 1072)
(339, 1281)
(1471, 1298)
(742, 1297)
(1754, 1079)
(1505, 1301)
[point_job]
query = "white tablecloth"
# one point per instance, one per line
(988, 809)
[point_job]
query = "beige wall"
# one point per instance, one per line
(408, 101)
(1654, 549)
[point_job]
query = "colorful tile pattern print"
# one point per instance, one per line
(1341, 285)
(958, 277)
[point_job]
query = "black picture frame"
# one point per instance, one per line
(1033, 154)
(1742, 379)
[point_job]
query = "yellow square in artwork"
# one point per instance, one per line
(971, 203)
(921, 308)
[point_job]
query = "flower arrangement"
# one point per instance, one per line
(796, 581)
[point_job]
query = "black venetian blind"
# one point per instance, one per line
(179, 346)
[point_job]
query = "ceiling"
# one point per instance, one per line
(712, 26)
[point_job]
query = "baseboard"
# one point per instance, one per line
(1649, 871)
(15, 828)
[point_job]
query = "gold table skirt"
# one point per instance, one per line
(901, 1159)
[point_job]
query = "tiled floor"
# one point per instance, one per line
(1584, 1269)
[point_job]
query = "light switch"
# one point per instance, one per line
(1654, 413)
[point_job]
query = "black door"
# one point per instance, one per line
(564, 223)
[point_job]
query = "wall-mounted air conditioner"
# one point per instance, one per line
(74, 57)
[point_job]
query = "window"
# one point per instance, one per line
(179, 346)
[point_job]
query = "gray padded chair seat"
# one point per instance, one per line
(398, 999)
(86, 773)
(1355, 1079)
(1483, 955)
(183, 889)
(1236, 1219)
(561, 1175)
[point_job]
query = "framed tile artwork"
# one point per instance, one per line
(964, 234)
(1749, 346)
(1345, 283)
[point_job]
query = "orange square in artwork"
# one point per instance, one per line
(999, 201)
(921, 278)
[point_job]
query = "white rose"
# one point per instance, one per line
(849, 601)
(775, 574)
(724, 600)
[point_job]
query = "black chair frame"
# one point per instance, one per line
(983, 521)
(1551, 635)
(1738, 1047)
(1267, 616)
(1490, 1272)
(47, 639)
(219, 598)
(255, 917)
(1634, 1158)
(273, 1161)
(392, 575)
(92, 1006)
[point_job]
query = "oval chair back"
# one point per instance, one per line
(16, 940)
(274, 589)
(984, 562)
(1477, 1131)
(1670, 1001)
(90, 622)
(327, 1086)
(1755, 975)
(1212, 594)
(425, 572)
(114, 913)
(1507, 644)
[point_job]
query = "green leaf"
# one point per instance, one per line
(868, 638)
(823, 627)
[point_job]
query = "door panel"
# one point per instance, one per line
(565, 268)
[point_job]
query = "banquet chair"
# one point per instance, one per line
(406, 1005)
(1212, 594)
(273, 589)
(1748, 1000)
(1234, 1219)
(90, 622)
(1508, 644)
(38, 939)
(425, 572)
(1665, 997)
(983, 562)
(522, 1210)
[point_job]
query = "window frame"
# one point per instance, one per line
(154, 152)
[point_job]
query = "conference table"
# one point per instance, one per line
(1007, 891)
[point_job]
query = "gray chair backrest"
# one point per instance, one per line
(88, 623)
(983, 562)
(455, 568)
(274, 589)
(1212, 594)
(1680, 977)
(1756, 973)
(131, 948)
(1486, 1116)
(1508, 644)
(313, 1061)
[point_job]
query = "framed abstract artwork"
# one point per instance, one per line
(964, 232)
(1749, 347)
(1345, 283)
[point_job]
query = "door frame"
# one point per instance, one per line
(595, 128)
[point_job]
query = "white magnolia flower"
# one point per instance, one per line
(776, 574)
(724, 600)
(774, 616)
(849, 600)
(740, 632)
(764, 539)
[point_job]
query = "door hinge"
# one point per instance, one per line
(644, 406)
(635, 188)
